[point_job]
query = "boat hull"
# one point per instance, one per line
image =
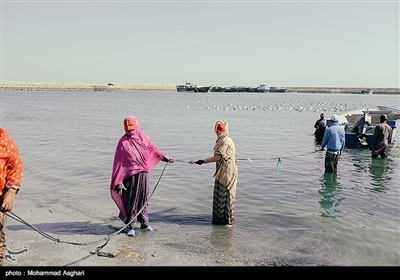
(359, 125)
(202, 89)
(351, 139)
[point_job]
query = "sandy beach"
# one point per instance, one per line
(72, 246)
(70, 240)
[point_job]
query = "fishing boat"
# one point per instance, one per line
(276, 89)
(217, 89)
(187, 86)
(359, 125)
(263, 88)
(202, 89)
(367, 91)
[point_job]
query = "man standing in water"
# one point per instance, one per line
(334, 140)
(320, 126)
(382, 137)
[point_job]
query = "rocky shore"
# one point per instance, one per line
(59, 86)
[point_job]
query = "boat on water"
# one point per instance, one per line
(187, 86)
(367, 91)
(192, 87)
(202, 89)
(359, 125)
(275, 89)
(217, 89)
(231, 89)
(262, 88)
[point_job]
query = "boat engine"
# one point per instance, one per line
(360, 127)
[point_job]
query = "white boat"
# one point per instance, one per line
(359, 125)
(187, 86)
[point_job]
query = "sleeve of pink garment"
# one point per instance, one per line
(131, 157)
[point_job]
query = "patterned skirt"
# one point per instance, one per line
(223, 206)
(135, 198)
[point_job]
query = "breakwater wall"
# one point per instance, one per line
(59, 86)
(342, 90)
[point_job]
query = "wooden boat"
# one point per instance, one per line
(202, 89)
(187, 86)
(231, 89)
(243, 89)
(367, 91)
(217, 89)
(359, 125)
(262, 88)
(275, 89)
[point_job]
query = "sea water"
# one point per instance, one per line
(288, 212)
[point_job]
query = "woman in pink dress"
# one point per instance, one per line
(135, 156)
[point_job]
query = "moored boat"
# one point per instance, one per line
(217, 89)
(275, 89)
(202, 89)
(231, 89)
(187, 86)
(367, 91)
(359, 125)
(262, 88)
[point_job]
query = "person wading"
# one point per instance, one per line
(226, 176)
(320, 127)
(334, 140)
(382, 137)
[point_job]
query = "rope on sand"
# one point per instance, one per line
(107, 238)
(97, 250)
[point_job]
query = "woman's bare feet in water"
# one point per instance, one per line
(229, 226)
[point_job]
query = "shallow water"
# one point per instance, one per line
(287, 211)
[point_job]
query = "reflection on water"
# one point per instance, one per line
(329, 191)
(379, 169)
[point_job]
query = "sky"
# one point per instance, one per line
(227, 43)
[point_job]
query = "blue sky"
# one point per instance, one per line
(281, 43)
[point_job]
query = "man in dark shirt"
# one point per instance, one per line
(382, 137)
(320, 126)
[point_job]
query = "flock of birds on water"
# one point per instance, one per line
(240, 102)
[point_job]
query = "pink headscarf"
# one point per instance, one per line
(134, 153)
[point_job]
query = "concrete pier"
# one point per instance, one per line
(59, 86)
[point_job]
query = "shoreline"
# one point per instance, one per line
(61, 86)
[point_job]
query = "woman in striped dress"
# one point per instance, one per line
(226, 176)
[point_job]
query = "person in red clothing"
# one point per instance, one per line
(382, 137)
(10, 181)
